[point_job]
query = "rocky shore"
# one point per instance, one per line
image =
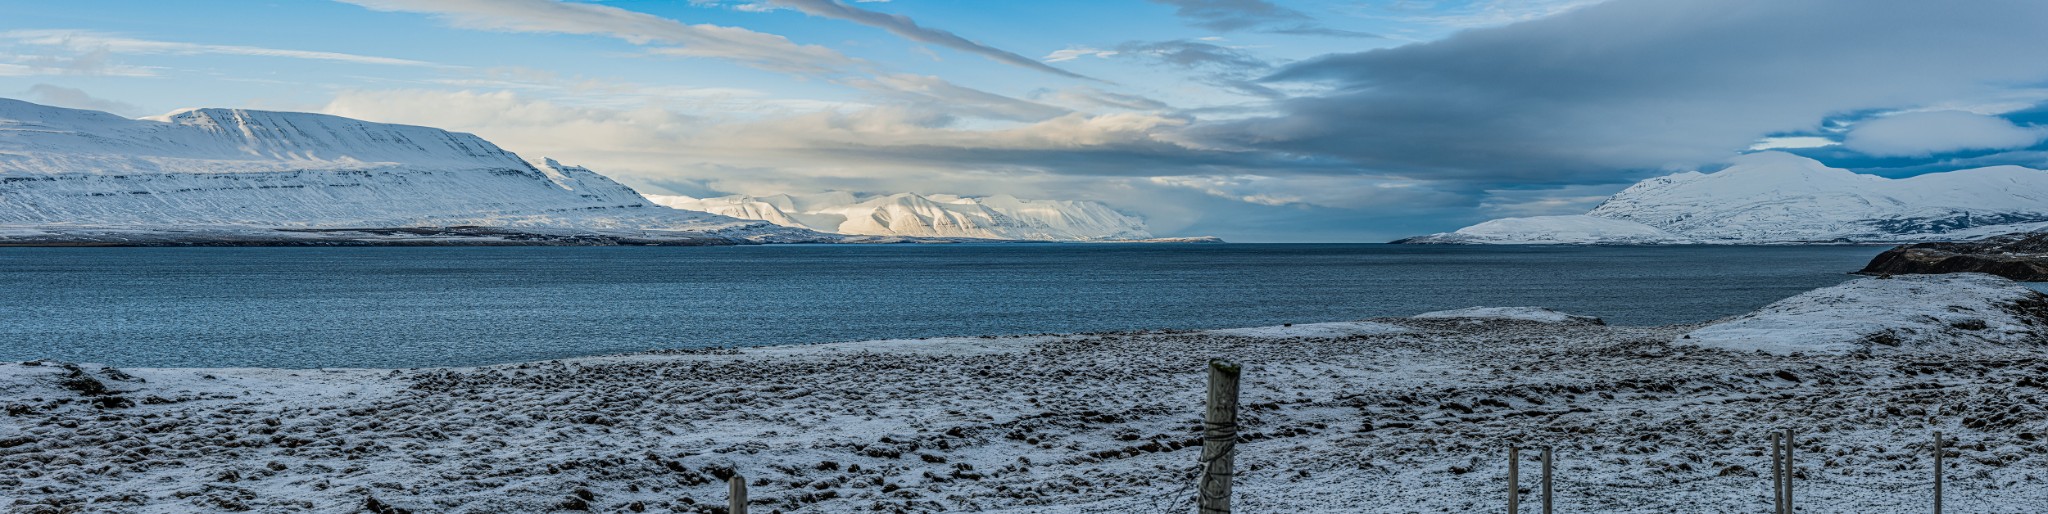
(1385, 415)
(2022, 257)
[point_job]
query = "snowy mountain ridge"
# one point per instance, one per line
(909, 214)
(1775, 197)
(234, 175)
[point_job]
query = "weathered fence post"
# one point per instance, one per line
(1219, 438)
(1938, 451)
(1546, 480)
(1777, 473)
(1514, 480)
(1791, 470)
(736, 502)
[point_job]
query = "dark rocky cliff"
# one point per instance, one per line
(2022, 257)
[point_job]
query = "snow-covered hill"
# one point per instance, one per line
(240, 176)
(1775, 197)
(910, 214)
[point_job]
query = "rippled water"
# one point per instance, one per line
(406, 307)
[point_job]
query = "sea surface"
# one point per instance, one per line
(446, 306)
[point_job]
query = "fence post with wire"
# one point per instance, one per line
(1515, 480)
(1219, 438)
(1783, 469)
(1938, 451)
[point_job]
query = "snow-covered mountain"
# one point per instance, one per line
(910, 214)
(1776, 197)
(231, 175)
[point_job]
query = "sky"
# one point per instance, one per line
(1251, 120)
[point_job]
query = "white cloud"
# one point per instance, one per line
(98, 63)
(60, 96)
(1076, 53)
(936, 99)
(1575, 199)
(907, 28)
(1919, 134)
(653, 142)
(762, 50)
(1340, 192)
(1776, 143)
(87, 41)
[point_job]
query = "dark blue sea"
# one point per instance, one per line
(443, 306)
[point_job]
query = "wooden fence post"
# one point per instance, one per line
(1777, 473)
(1514, 480)
(1791, 470)
(1938, 451)
(1546, 480)
(1219, 438)
(736, 501)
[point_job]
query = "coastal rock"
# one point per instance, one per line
(2022, 257)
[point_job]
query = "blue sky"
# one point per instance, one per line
(1253, 120)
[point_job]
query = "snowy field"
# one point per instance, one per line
(1386, 415)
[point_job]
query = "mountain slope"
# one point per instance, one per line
(909, 214)
(1774, 197)
(239, 176)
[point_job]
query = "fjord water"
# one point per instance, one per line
(443, 306)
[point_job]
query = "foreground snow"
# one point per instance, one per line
(1776, 197)
(1391, 415)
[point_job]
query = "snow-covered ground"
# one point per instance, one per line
(1536, 314)
(1952, 312)
(1388, 415)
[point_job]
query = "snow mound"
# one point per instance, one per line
(1912, 313)
(1776, 197)
(910, 214)
(1335, 329)
(1573, 229)
(1536, 314)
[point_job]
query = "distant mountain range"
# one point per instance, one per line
(914, 215)
(231, 176)
(1776, 197)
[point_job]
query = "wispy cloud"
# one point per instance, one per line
(93, 63)
(934, 99)
(88, 41)
(78, 99)
(1231, 69)
(1261, 15)
(1068, 54)
(757, 49)
(909, 29)
(1488, 13)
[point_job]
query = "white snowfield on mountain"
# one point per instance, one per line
(231, 169)
(1776, 197)
(910, 214)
